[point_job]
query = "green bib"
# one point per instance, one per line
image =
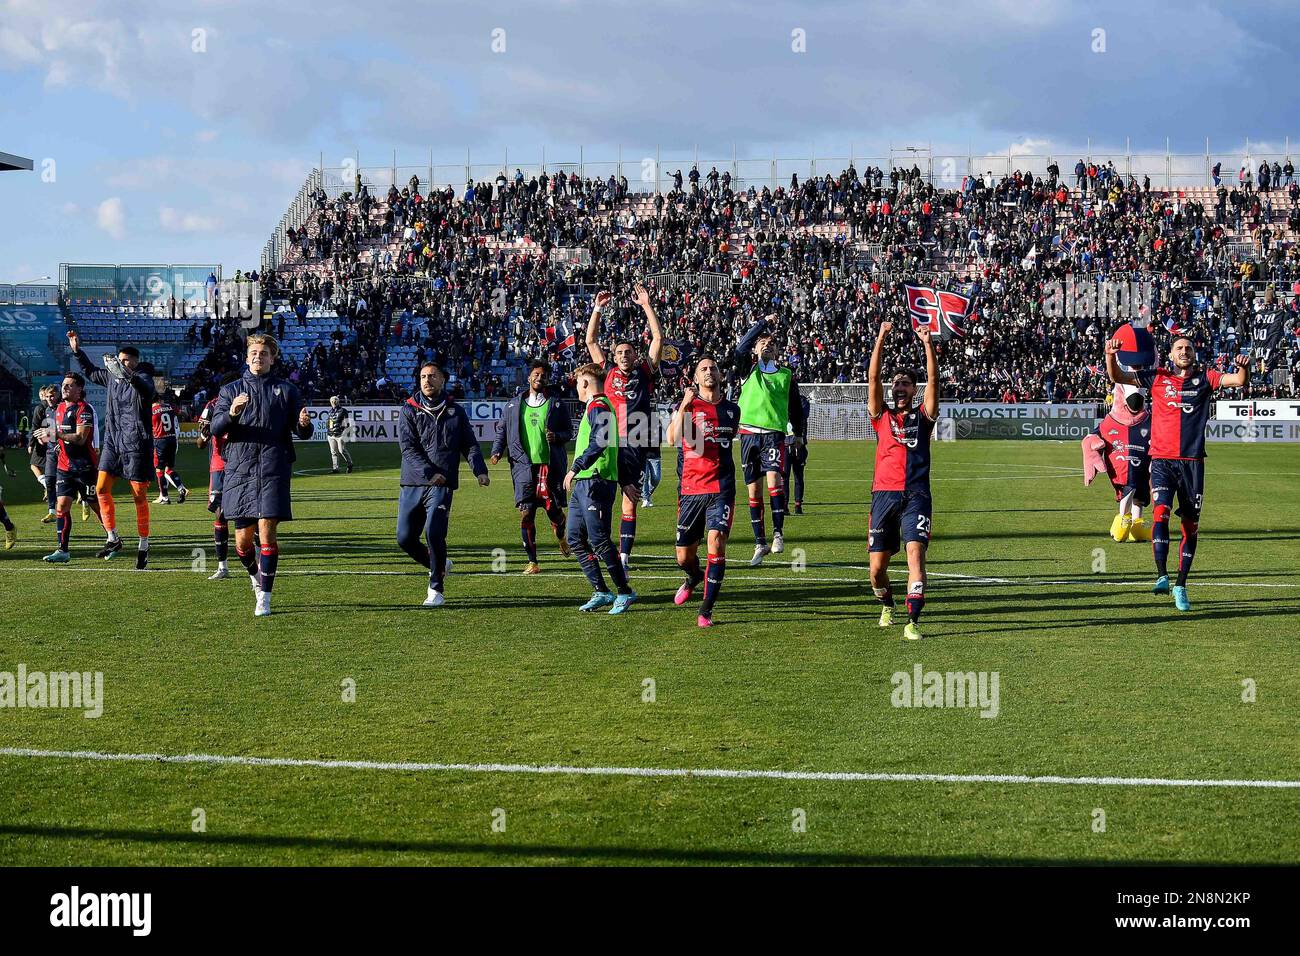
(606, 466)
(765, 399)
(534, 431)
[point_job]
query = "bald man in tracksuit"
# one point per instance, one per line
(433, 433)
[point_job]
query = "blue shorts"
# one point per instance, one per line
(760, 453)
(164, 453)
(898, 516)
(1182, 477)
(631, 465)
(215, 480)
(699, 514)
(75, 484)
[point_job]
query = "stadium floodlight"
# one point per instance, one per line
(30, 281)
(10, 163)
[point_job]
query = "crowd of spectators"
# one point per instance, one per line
(476, 280)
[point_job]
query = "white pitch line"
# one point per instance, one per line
(707, 773)
(972, 579)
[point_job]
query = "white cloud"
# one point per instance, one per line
(16, 51)
(70, 209)
(111, 217)
(175, 220)
(205, 135)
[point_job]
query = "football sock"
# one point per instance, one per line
(1187, 552)
(778, 509)
(64, 526)
(756, 520)
(691, 565)
(884, 595)
(915, 600)
(528, 532)
(627, 534)
(713, 583)
(144, 543)
(221, 537)
(249, 560)
(270, 558)
(140, 492)
(4, 519)
(1160, 539)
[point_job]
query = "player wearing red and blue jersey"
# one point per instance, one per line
(216, 473)
(73, 430)
(629, 387)
(901, 507)
(1180, 398)
(166, 435)
(705, 424)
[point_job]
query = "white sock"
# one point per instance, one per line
(1125, 502)
(144, 543)
(1136, 511)
(112, 537)
(221, 566)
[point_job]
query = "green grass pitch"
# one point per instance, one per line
(1097, 678)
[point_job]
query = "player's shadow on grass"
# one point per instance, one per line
(542, 851)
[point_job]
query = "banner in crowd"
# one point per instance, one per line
(1258, 410)
(944, 313)
(561, 337)
(1266, 330)
(29, 294)
(378, 423)
(675, 358)
(1026, 411)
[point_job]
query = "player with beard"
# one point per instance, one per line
(1180, 408)
(629, 387)
(901, 507)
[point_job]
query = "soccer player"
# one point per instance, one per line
(259, 415)
(796, 459)
(336, 431)
(592, 483)
(44, 455)
(73, 433)
(166, 433)
(705, 424)
(433, 433)
(629, 388)
(216, 473)
(11, 533)
(127, 451)
(769, 399)
(532, 434)
(1180, 407)
(900, 488)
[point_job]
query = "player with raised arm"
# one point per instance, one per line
(166, 437)
(1180, 396)
(901, 507)
(532, 433)
(127, 450)
(259, 415)
(433, 433)
(705, 424)
(769, 401)
(592, 483)
(337, 423)
(629, 387)
(73, 433)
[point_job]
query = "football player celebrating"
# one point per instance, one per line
(532, 433)
(592, 483)
(259, 415)
(629, 388)
(127, 450)
(705, 424)
(1180, 408)
(166, 434)
(900, 487)
(44, 460)
(769, 400)
(73, 430)
(1120, 445)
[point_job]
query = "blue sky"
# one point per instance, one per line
(160, 144)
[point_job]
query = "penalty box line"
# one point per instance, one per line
(702, 773)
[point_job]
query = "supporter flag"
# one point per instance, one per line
(1137, 349)
(944, 313)
(560, 337)
(676, 356)
(1172, 326)
(1266, 336)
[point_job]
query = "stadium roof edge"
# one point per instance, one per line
(9, 163)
